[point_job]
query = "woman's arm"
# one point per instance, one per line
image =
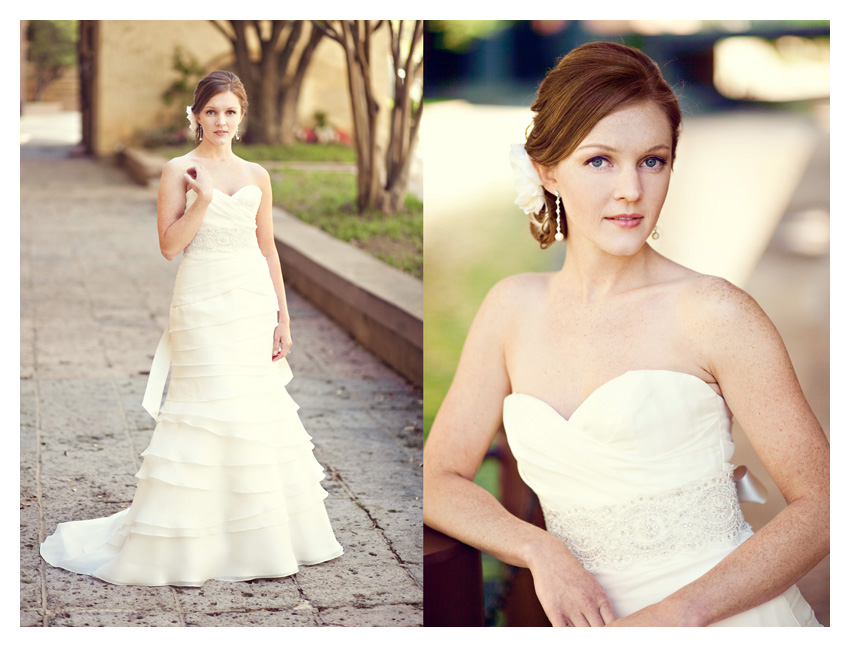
(177, 225)
(746, 355)
(282, 338)
(462, 432)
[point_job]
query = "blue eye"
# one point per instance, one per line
(654, 162)
(596, 162)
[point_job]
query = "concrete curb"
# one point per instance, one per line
(143, 167)
(380, 306)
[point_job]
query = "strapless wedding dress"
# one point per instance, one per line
(228, 488)
(638, 484)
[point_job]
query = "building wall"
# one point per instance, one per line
(135, 59)
(325, 88)
(135, 68)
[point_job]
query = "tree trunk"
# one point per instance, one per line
(381, 178)
(289, 118)
(404, 126)
(272, 84)
(269, 116)
(364, 109)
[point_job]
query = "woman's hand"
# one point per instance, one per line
(177, 224)
(282, 342)
(199, 180)
(569, 594)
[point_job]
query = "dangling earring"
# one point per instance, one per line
(200, 133)
(655, 233)
(238, 138)
(558, 235)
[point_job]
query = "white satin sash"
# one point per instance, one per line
(157, 376)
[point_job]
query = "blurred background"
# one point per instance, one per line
(749, 200)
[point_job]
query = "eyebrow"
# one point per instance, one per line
(615, 150)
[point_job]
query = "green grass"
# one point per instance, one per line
(327, 199)
(297, 153)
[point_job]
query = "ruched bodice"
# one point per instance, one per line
(229, 223)
(638, 484)
(643, 432)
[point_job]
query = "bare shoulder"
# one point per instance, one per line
(727, 326)
(177, 166)
(504, 305)
(719, 302)
(183, 162)
(173, 181)
(258, 173)
(518, 291)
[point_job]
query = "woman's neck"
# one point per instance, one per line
(596, 274)
(216, 153)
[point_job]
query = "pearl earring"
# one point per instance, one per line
(655, 233)
(238, 138)
(558, 235)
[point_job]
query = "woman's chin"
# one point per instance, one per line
(624, 248)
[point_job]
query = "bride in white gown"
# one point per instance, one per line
(229, 488)
(616, 378)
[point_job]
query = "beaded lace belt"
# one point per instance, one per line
(219, 239)
(649, 529)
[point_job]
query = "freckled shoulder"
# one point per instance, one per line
(718, 299)
(722, 316)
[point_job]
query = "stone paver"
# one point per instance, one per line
(95, 293)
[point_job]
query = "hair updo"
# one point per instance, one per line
(214, 84)
(587, 85)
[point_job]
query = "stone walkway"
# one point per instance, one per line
(95, 293)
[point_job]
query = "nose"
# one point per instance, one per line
(628, 186)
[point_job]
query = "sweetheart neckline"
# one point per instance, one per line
(609, 382)
(231, 195)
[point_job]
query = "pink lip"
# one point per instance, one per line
(626, 220)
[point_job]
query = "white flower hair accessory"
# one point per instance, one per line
(526, 181)
(193, 123)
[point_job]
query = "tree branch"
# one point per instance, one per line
(288, 49)
(327, 28)
(227, 34)
(307, 53)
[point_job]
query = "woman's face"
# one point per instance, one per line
(220, 118)
(614, 183)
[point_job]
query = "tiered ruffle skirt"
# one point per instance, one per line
(228, 488)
